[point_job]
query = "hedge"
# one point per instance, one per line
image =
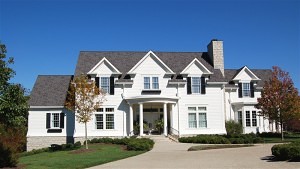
(289, 151)
(135, 144)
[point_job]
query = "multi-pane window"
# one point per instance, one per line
(240, 117)
(110, 121)
(151, 82)
(55, 120)
(254, 120)
(192, 117)
(246, 90)
(99, 121)
(248, 120)
(146, 82)
(104, 84)
(196, 84)
(197, 117)
(104, 119)
(155, 84)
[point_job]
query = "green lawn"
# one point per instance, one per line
(97, 154)
(291, 137)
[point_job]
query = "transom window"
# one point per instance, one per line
(104, 118)
(246, 89)
(197, 117)
(55, 120)
(151, 82)
(196, 84)
(104, 84)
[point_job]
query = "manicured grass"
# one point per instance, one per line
(208, 147)
(96, 155)
(276, 138)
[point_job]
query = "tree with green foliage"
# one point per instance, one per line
(84, 98)
(279, 99)
(13, 112)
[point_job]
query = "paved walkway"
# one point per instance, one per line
(168, 154)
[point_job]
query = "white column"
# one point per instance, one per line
(141, 120)
(165, 120)
(130, 120)
(172, 115)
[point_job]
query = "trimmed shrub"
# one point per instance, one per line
(77, 144)
(143, 144)
(233, 128)
(289, 151)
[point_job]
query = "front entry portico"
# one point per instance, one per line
(148, 110)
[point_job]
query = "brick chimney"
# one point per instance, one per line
(215, 52)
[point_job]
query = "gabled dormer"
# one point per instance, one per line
(196, 74)
(104, 75)
(246, 81)
(154, 61)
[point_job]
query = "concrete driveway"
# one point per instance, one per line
(168, 154)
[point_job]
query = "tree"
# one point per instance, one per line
(279, 98)
(13, 113)
(84, 98)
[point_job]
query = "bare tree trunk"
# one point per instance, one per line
(86, 143)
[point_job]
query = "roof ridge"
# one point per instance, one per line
(94, 51)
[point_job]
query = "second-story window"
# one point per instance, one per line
(104, 84)
(196, 85)
(151, 82)
(246, 89)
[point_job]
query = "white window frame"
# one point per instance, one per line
(52, 121)
(198, 86)
(105, 111)
(151, 77)
(253, 119)
(200, 109)
(246, 91)
(100, 84)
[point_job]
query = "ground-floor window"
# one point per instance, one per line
(250, 118)
(197, 117)
(104, 118)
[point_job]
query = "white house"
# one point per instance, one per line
(190, 91)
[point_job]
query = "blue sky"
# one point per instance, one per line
(45, 36)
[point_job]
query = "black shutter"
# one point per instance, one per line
(62, 120)
(188, 87)
(97, 81)
(240, 90)
(112, 86)
(203, 85)
(251, 89)
(48, 120)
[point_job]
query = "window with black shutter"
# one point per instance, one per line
(48, 118)
(189, 87)
(240, 90)
(112, 86)
(251, 89)
(62, 120)
(97, 81)
(203, 91)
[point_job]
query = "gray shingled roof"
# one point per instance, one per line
(50, 90)
(263, 74)
(124, 61)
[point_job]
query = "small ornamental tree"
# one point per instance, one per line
(279, 99)
(84, 98)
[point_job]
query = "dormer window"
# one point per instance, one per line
(196, 85)
(151, 83)
(246, 89)
(104, 84)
